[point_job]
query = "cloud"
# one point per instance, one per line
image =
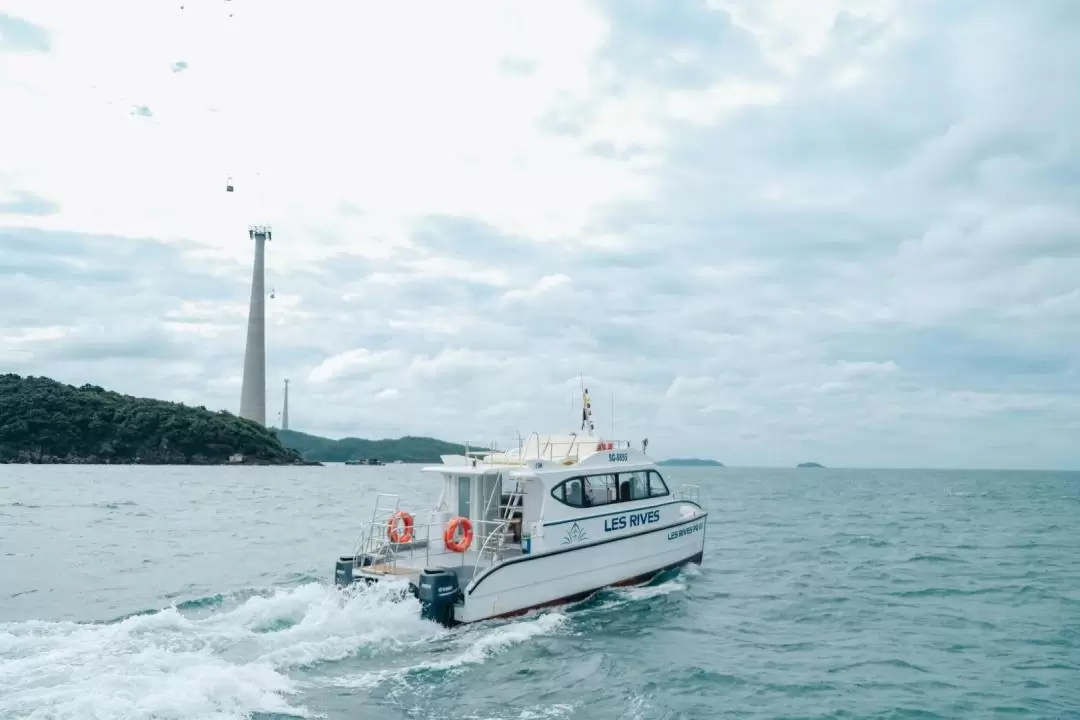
(774, 231)
(16, 34)
(25, 203)
(350, 362)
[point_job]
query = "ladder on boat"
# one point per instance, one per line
(496, 541)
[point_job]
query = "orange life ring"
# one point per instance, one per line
(392, 527)
(451, 529)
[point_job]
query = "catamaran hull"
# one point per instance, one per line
(585, 594)
(573, 573)
(556, 577)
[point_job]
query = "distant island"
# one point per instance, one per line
(810, 465)
(408, 449)
(690, 462)
(45, 421)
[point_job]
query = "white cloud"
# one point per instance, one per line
(306, 109)
(387, 394)
(791, 31)
(546, 284)
(351, 362)
(775, 231)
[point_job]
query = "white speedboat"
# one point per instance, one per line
(549, 522)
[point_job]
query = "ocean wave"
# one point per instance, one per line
(227, 663)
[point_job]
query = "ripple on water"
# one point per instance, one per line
(845, 594)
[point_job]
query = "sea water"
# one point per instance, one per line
(184, 592)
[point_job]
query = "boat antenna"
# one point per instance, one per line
(586, 411)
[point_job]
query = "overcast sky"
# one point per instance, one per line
(776, 230)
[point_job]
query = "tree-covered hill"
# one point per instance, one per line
(406, 449)
(45, 421)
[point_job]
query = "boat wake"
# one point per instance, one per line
(466, 647)
(224, 657)
(458, 651)
(252, 653)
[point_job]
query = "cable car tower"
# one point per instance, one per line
(253, 389)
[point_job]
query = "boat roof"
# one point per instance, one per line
(545, 454)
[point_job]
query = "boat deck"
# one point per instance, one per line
(410, 564)
(386, 569)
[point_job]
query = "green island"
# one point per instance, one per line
(48, 422)
(408, 449)
(690, 462)
(45, 421)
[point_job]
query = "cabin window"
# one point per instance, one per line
(634, 484)
(657, 486)
(559, 492)
(600, 490)
(570, 492)
(594, 490)
(575, 493)
(588, 491)
(623, 493)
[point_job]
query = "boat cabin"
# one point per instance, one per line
(547, 480)
(550, 491)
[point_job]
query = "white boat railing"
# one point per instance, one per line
(689, 492)
(386, 506)
(376, 553)
(555, 448)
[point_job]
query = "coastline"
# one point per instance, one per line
(205, 462)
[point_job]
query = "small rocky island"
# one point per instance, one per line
(45, 421)
(810, 465)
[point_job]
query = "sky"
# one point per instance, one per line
(760, 231)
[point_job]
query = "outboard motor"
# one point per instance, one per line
(438, 591)
(343, 575)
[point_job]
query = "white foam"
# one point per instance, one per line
(691, 571)
(620, 596)
(549, 712)
(558, 710)
(645, 592)
(476, 644)
(493, 640)
(227, 664)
